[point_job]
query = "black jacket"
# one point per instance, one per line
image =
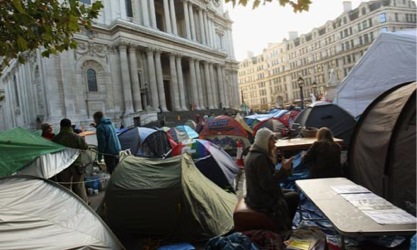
(324, 159)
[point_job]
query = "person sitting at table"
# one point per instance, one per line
(263, 191)
(323, 157)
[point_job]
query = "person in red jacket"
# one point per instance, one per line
(47, 131)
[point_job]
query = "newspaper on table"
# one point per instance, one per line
(349, 189)
(374, 206)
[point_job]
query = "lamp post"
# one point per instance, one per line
(300, 82)
(314, 89)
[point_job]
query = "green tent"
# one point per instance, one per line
(167, 198)
(19, 147)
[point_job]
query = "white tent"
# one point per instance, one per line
(388, 62)
(37, 213)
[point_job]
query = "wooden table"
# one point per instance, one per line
(347, 219)
(299, 143)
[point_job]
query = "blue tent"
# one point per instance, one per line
(182, 132)
(145, 142)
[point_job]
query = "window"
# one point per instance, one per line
(129, 11)
(16, 92)
(92, 80)
(366, 38)
(382, 18)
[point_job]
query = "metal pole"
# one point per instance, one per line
(302, 97)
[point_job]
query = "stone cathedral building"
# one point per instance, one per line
(141, 57)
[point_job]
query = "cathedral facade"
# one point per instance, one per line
(141, 57)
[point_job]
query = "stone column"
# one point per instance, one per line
(137, 12)
(152, 11)
(122, 6)
(181, 84)
(193, 35)
(202, 30)
(174, 83)
(226, 88)
(173, 17)
(221, 85)
(199, 86)
(213, 34)
(160, 81)
(187, 20)
(230, 41)
(208, 85)
(214, 86)
(206, 29)
(127, 88)
(145, 12)
(137, 100)
(167, 16)
(193, 84)
(152, 79)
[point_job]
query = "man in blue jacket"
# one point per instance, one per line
(107, 140)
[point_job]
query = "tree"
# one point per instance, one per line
(26, 25)
(298, 5)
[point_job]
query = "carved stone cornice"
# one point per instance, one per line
(92, 49)
(150, 50)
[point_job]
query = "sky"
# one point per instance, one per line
(253, 29)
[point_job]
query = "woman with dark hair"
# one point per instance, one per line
(323, 157)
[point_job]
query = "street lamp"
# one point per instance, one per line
(300, 82)
(314, 89)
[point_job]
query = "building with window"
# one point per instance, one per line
(322, 57)
(141, 57)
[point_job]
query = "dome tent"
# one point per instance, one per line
(146, 142)
(224, 131)
(39, 214)
(382, 154)
(326, 114)
(167, 198)
(25, 153)
(213, 162)
(389, 61)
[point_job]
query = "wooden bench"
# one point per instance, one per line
(245, 219)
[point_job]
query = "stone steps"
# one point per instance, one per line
(176, 118)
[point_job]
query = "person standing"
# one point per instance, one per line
(263, 191)
(108, 144)
(47, 131)
(324, 156)
(73, 176)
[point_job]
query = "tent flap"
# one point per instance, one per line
(389, 61)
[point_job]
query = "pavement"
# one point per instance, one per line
(96, 200)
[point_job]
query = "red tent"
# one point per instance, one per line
(225, 131)
(285, 118)
(223, 125)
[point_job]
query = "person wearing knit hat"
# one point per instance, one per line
(73, 176)
(263, 192)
